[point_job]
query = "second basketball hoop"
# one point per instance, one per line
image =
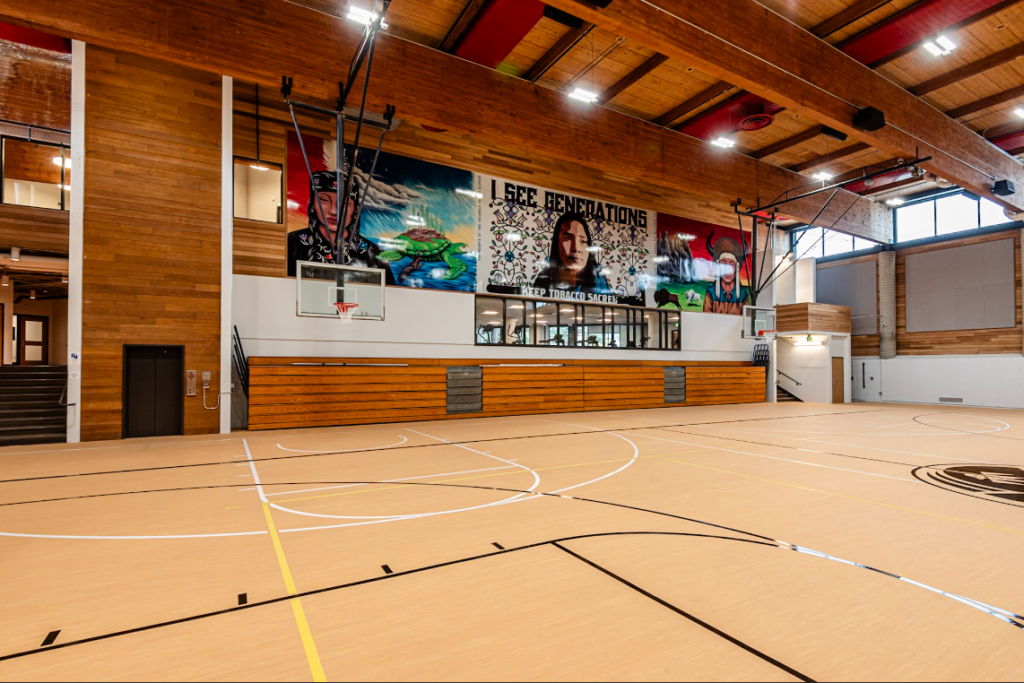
(345, 311)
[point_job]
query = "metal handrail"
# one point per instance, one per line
(239, 360)
(60, 401)
(799, 384)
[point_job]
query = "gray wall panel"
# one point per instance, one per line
(852, 285)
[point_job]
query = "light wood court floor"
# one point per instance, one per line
(754, 542)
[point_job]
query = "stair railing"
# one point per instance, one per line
(239, 360)
(64, 393)
(799, 384)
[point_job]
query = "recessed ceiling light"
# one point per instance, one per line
(6, 281)
(895, 201)
(945, 43)
(1019, 112)
(15, 253)
(363, 16)
(822, 175)
(941, 47)
(258, 167)
(490, 313)
(723, 142)
(57, 161)
(583, 95)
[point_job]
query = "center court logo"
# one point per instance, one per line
(999, 483)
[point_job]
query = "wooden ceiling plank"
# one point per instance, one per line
(632, 77)
(789, 66)
(986, 102)
(557, 51)
(823, 159)
(233, 37)
(786, 143)
(856, 11)
(703, 97)
(461, 25)
(967, 70)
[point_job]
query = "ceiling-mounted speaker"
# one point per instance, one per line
(1003, 188)
(563, 18)
(756, 118)
(833, 133)
(869, 119)
(598, 3)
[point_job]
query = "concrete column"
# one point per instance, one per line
(887, 304)
(76, 242)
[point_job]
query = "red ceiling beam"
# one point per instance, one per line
(33, 38)
(497, 29)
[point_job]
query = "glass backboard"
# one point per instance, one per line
(757, 321)
(318, 286)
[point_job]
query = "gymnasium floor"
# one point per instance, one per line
(755, 542)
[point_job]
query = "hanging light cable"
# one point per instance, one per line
(258, 166)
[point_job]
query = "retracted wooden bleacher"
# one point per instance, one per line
(307, 392)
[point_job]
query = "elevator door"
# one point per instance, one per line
(153, 391)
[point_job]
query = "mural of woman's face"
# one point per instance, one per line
(728, 266)
(572, 246)
(329, 205)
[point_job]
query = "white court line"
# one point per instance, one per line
(391, 481)
(772, 457)
(636, 454)
(350, 450)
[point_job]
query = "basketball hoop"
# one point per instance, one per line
(345, 311)
(766, 335)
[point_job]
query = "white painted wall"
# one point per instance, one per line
(994, 381)
(867, 378)
(76, 237)
(804, 281)
(424, 323)
(227, 228)
(810, 366)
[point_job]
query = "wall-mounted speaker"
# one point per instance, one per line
(869, 119)
(1003, 188)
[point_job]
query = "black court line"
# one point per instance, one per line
(387, 569)
(243, 598)
(498, 546)
(51, 637)
(439, 444)
(361, 582)
(700, 622)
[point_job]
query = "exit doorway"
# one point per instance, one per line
(838, 380)
(153, 393)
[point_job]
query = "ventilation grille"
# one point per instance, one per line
(675, 385)
(947, 399)
(465, 389)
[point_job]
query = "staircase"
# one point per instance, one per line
(30, 404)
(783, 396)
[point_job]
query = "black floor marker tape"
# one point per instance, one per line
(387, 569)
(593, 430)
(703, 624)
(243, 598)
(51, 637)
(498, 546)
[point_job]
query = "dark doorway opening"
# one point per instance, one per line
(154, 394)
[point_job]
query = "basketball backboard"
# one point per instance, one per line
(319, 286)
(757, 321)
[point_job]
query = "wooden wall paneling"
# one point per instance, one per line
(811, 316)
(956, 342)
(151, 228)
(35, 229)
(35, 86)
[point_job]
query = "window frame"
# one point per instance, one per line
(282, 207)
(65, 176)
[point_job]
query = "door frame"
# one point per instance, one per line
(22, 319)
(124, 382)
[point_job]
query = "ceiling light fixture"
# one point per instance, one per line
(723, 142)
(583, 96)
(15, 253)
(58, 161)
(6, 281)
(1019, 112)
(941, 47)
(822, 176)
(64, 279)
(490, 313)
(32, 294)
(895, 201)
(258, 166)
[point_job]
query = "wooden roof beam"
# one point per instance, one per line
(986, 102)
(791, 141)
(233, 37)
(461, 25)
(703, 97)
(632, 77)
(557, 51)
(787, 65)
(856, 11)
(824, 159)
(967, 70)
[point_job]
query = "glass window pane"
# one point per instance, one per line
(837, 243)
(257, 191)
(34, 353)
(547, 324)
(569, 319)
(33, 331)
(861, 243)
(618, 329)
(809, 243)
(915, 222)
(31, 176)
(992, 213)
(515, 322)
(593, 323)
(489, 321)
(673, 330)
(956, 214)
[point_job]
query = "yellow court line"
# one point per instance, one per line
(308, 645)
(487, 476)
(842, 495)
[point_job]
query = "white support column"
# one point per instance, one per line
(227, 214)
(76, 245)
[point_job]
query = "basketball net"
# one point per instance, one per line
(766, 335)
(345, 311)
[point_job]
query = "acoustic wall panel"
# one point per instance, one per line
(962, 288)
(852, 285)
